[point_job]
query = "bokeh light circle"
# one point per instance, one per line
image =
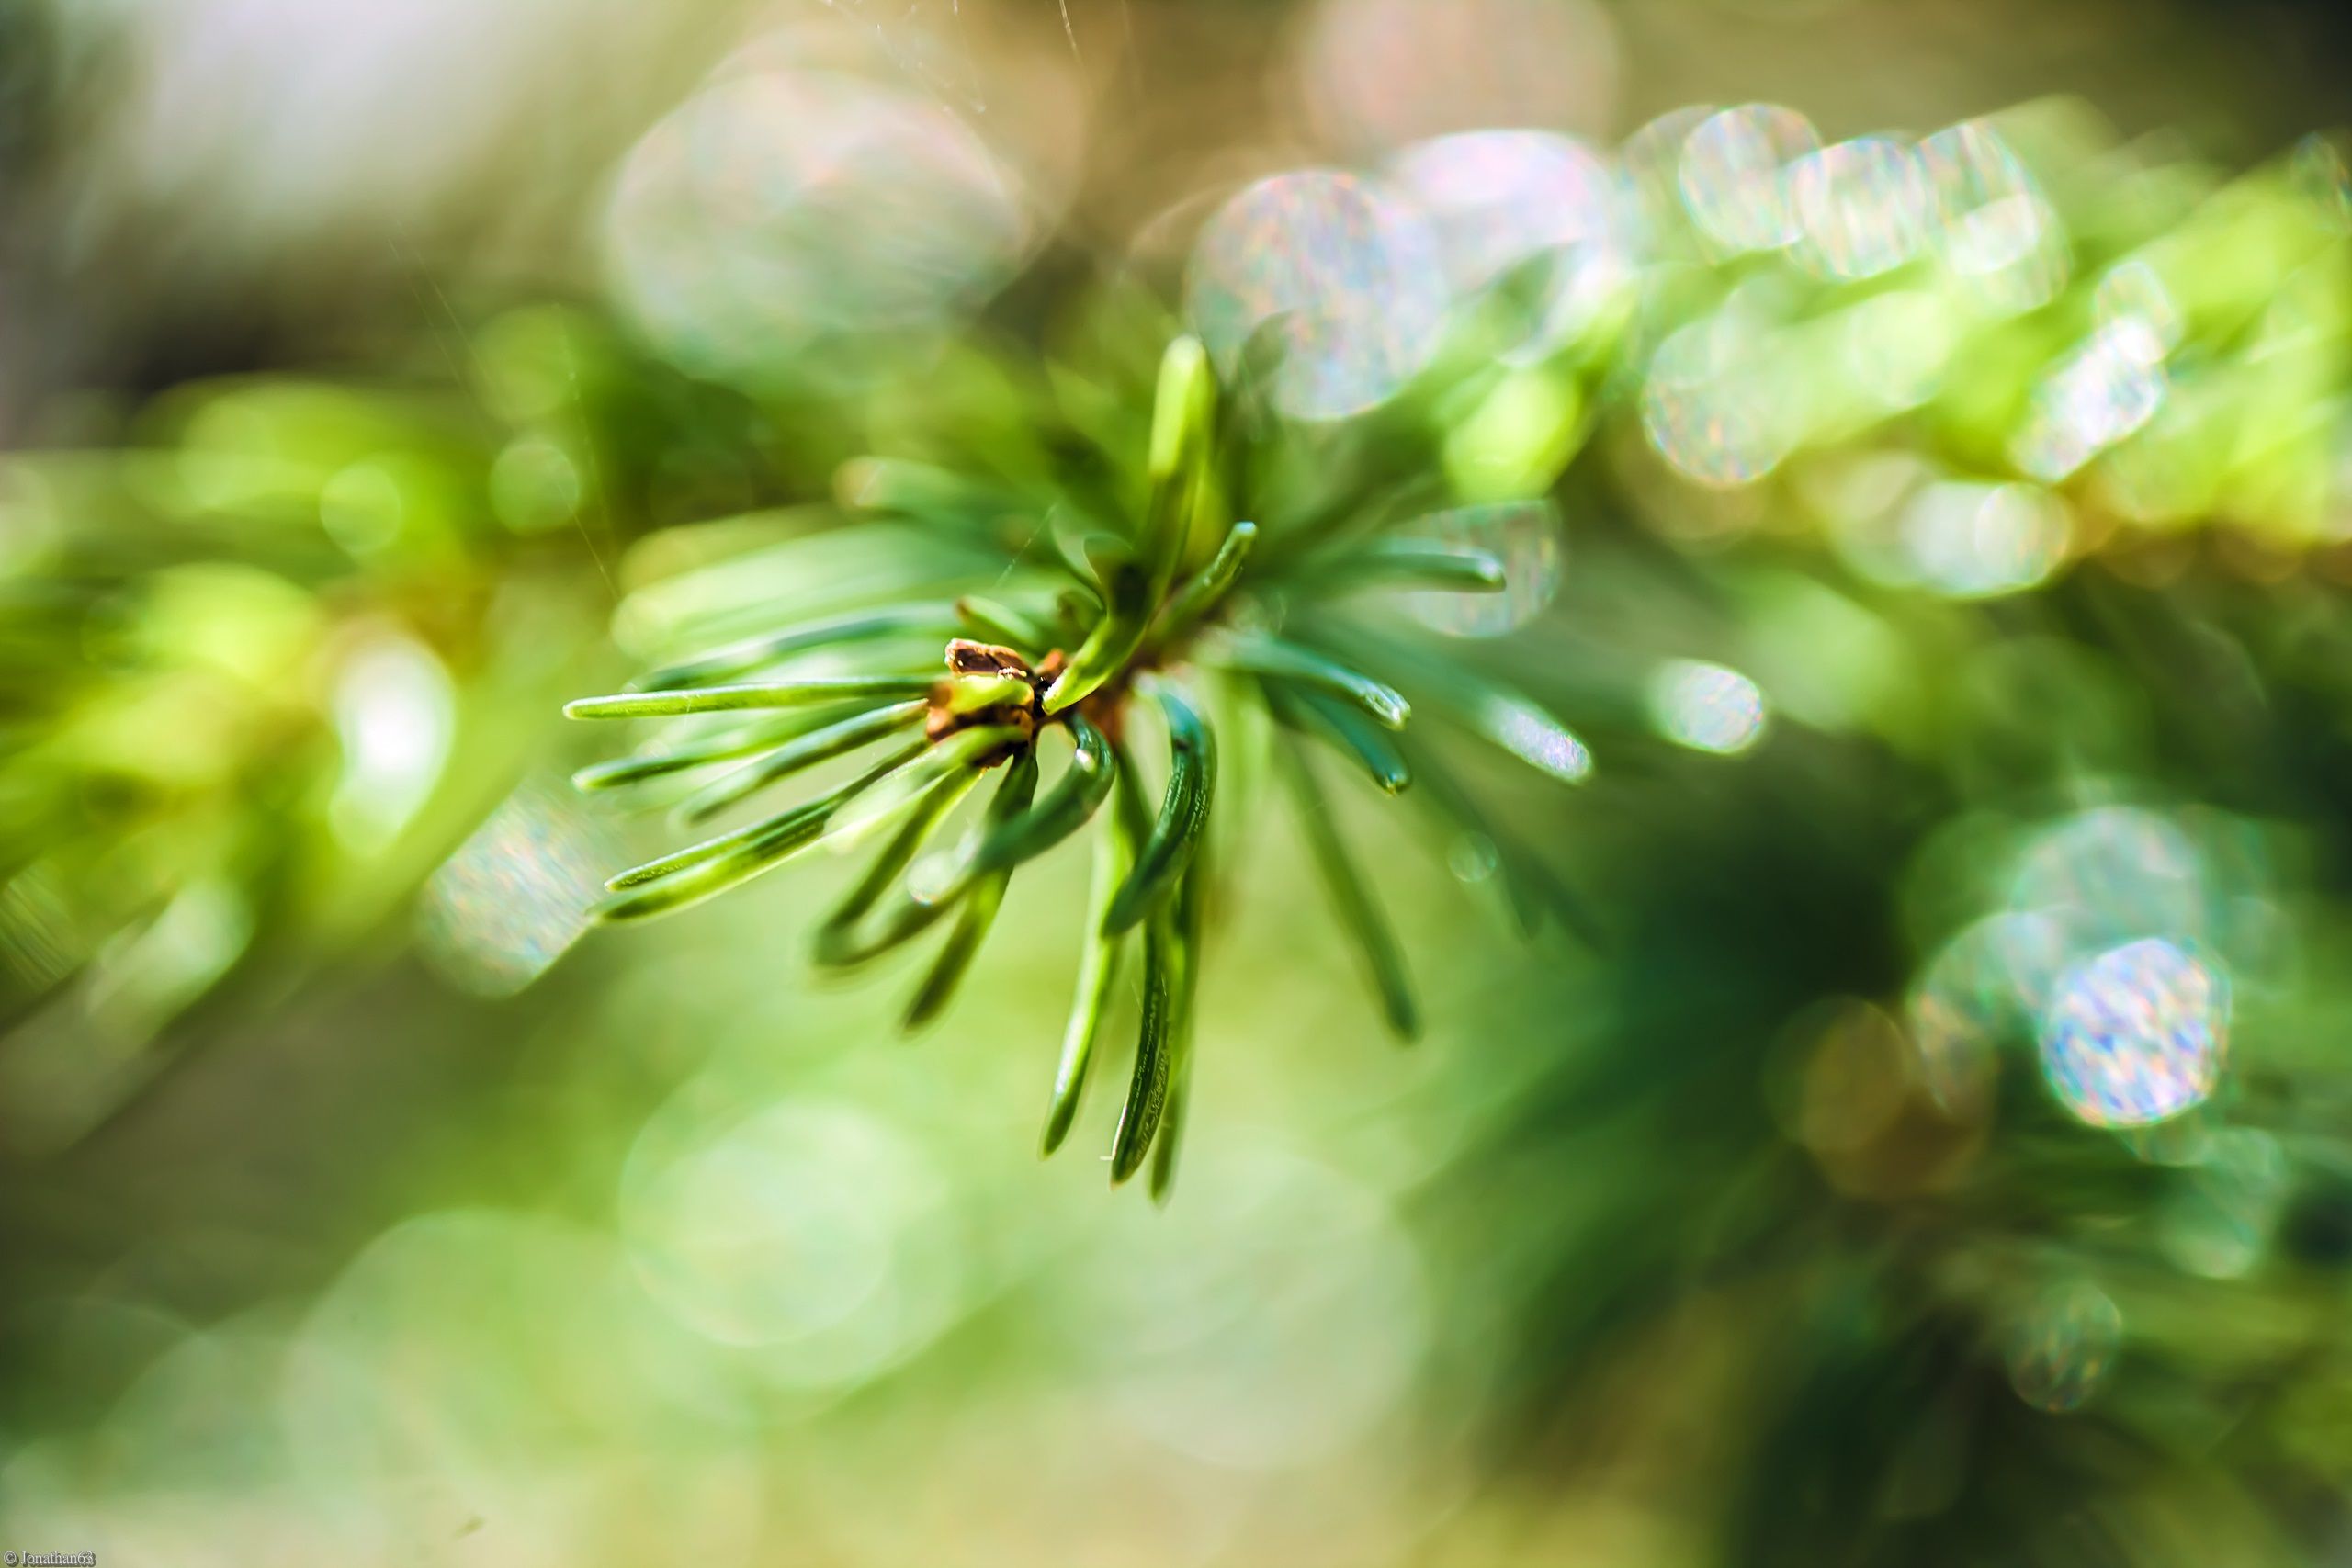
(1708, 707)
(1961, 1008)
(1348, 275)
(809, 1232)
(1711, 409)
(1734, 176)
(1977, 541)
(1498, 200)
(537, 485)
(2103, 876)
(1994, 226)
(2131, 292)
(2107, 389)
(2135, 1036)
(1861, 207)
(2063, 1346)
(777, 208)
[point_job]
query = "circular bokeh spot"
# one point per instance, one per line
(778, 208)
(1713, 409)
(1708, 707)
(1346, 278)
(1977, 541)
(1994, 227)
(1862, 206)
(809, 1234)
(2135, 1036)
(1499, 201)
(2063, 1346)
(1734, 176)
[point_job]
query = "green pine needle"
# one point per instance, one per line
(820, 746)
(1417, 564)
(1202, 591)
(1352, 896)
(661, 761)
(1370, 747)
(1262, 655)
(761, 695)
(1184, 813)
(1148, 1089)
(742, 659)
(1123, 583)
(979, 912)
